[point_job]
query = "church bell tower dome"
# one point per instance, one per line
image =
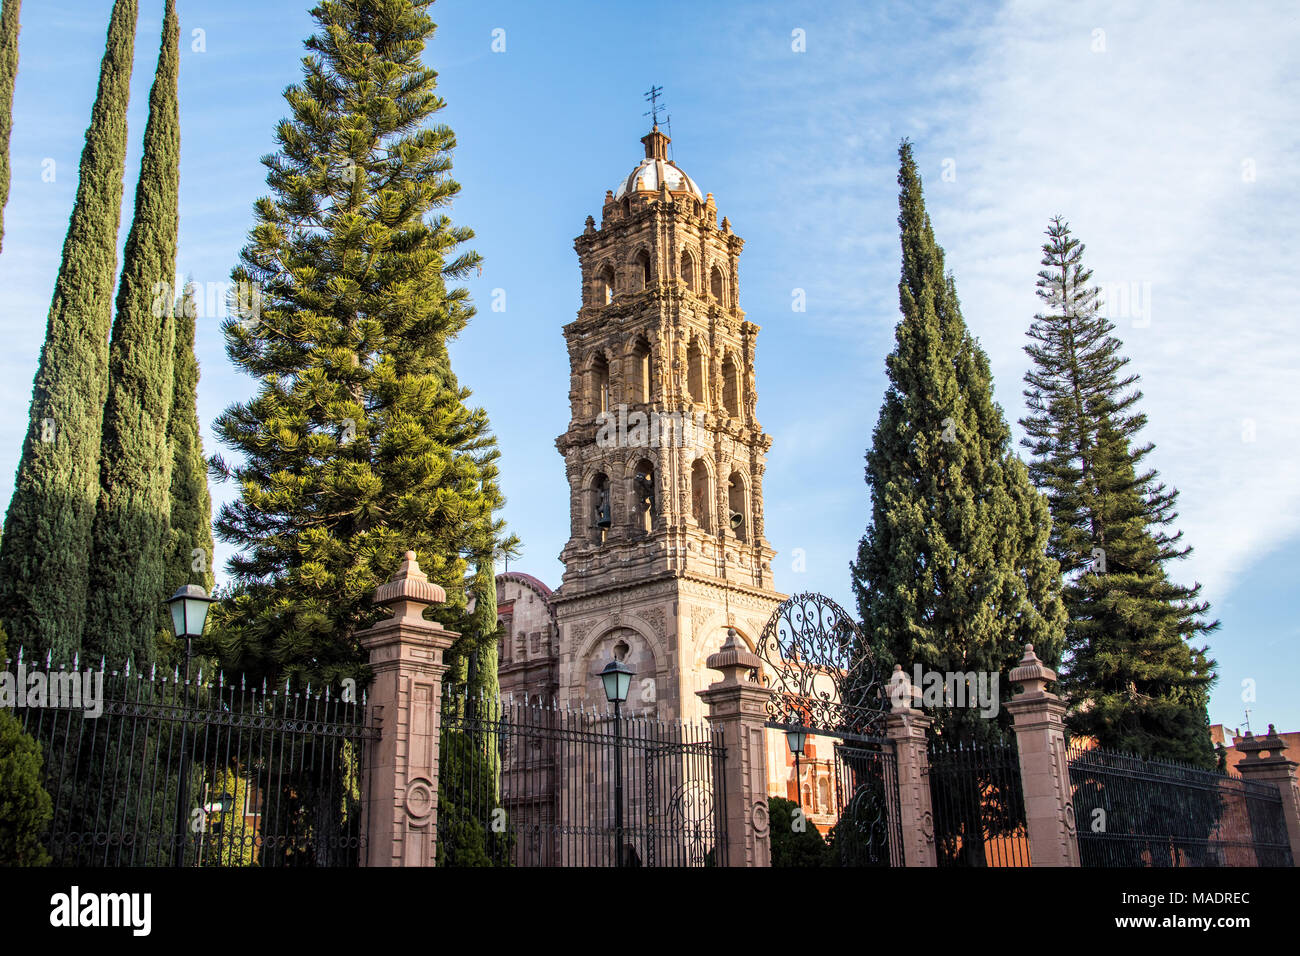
(657, 169)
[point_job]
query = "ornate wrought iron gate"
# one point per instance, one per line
(868, 832)
(825, 683)
(522, 784)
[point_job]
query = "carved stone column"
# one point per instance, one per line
(906, 726)
(1278, 770)
(405, 700)
(738, 707)
(1044, 775)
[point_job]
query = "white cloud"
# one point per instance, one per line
(1142, 148)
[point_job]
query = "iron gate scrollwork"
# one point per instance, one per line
(822, 674)
(869, 831)
(825, 682)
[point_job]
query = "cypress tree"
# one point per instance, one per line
(189, 556)
(1134, 681)
(189, 548)
(132, 519)
(952, 573)
(46, 544)
(8, 74)
(358, 444)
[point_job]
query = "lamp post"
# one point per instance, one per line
(617, 678)
(189, 607)
(795, 740)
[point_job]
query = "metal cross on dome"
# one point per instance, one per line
(652, 96)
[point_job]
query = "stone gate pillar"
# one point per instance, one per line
(738, 707)
(1278, 770)
(1044, 775)
(405, 701)
(906, 726)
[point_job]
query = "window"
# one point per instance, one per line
(716, 286)
(601, 510)
(695, 376)
(731, 387)
(737, 511)
(688, 271)
(605, 285)
(598, 388)
(643, 495)
(701, 495)
(639, 376)
(641, 275)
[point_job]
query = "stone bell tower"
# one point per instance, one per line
(664, 453)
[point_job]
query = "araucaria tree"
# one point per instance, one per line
(1134, 681)
(45, 550)
(133, 516)
(358, 444)
(953, 572)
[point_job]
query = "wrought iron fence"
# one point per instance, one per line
(171, 772)
(978, 803)
(868, 831)
(1149, 813)
(521, 784)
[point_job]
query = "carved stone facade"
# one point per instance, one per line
(664, 454)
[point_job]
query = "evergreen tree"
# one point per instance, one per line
(792, 845)
(358, 444)
(189, 549)
(1135, 682)
(8, 74)
(952, 573)
(133, 516)
(45, 549)
(25, 807)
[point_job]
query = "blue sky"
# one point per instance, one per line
(1166, 135)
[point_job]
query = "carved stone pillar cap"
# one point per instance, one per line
(733, 656)
(1251, 747)
(1032, 672)
(410, 584)
(903, 694)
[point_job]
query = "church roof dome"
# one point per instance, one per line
(656, 169)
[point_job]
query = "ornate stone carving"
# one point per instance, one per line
(419, 799)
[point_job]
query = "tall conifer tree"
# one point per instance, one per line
(1134, 680)
(189, 556)
(8, 75)
(45, 549)
(358, 444)
(133, 516)
(952, 573)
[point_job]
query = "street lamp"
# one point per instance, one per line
(795, 740)
(189, 607)
(617, 678)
